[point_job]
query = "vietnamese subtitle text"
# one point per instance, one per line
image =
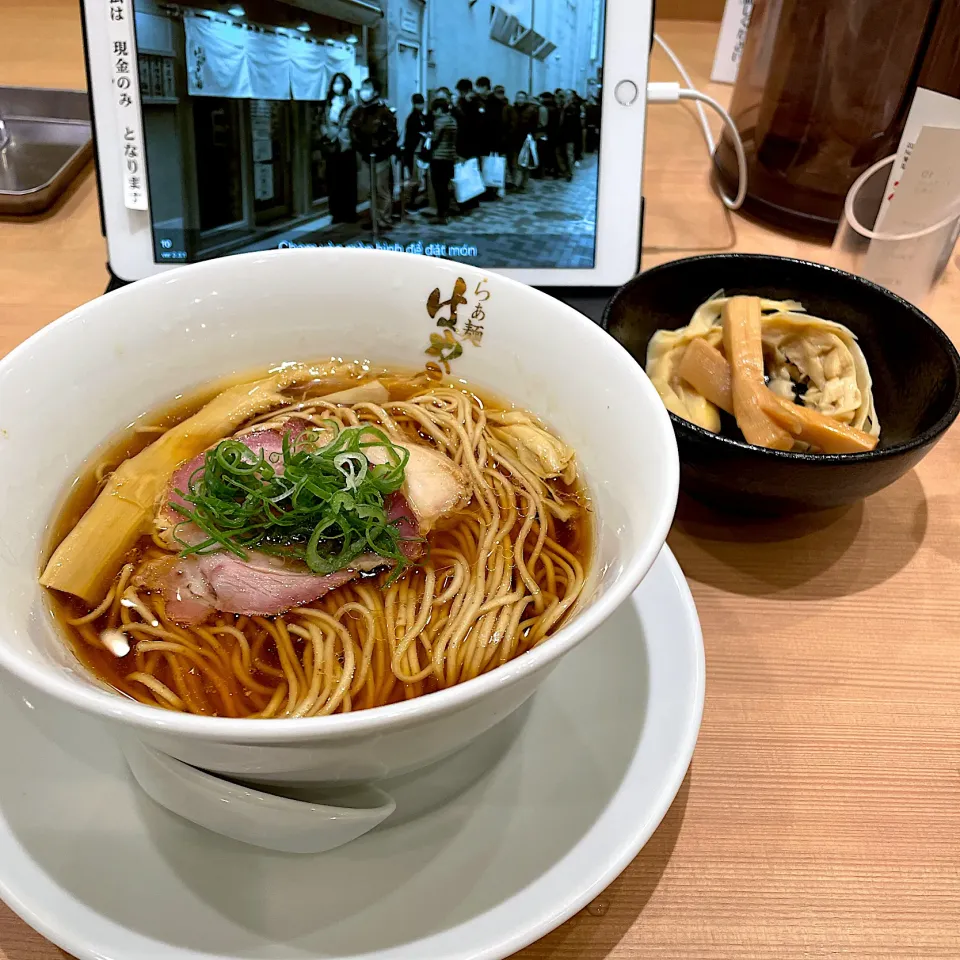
(423, 249)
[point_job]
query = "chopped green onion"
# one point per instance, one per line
(323, 505)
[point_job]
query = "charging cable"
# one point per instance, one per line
(673, 93)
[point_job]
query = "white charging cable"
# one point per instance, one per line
(673, 93)
(688, 80)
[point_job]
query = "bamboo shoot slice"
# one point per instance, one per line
(88, 559)
(372, 392)
(744, 347)
(814, 428)
(706, 370)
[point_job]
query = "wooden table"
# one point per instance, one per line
(821, 814)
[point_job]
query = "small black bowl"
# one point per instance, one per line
(915, 368)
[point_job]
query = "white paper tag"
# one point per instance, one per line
(122, 56)
(928, 191)
(930, 186)
(733, 35)
(929, 109)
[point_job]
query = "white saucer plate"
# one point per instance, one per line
(92, 864)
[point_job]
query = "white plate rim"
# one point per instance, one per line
(670, 786)
(77, 944)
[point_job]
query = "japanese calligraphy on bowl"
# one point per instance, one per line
(461, 320)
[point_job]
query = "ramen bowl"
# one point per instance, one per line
(915, 370)
(89, 375)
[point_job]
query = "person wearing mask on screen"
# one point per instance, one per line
(414, 134)
(577, 125)
(528, 121)
(374, 132)
(508, 138)
(593, 111)
(469, 115)
(486, 130)
(491, 127)
(571, 126)
(443, 155)
(559, 134)
(441, 93)
(337, 147)
(548, 135)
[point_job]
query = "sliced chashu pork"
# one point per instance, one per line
(433, 485)
(193, 587)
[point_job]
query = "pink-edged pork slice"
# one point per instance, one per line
(434, 486)
(268, 443)
(195, 586)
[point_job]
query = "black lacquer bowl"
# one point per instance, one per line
(915, 368)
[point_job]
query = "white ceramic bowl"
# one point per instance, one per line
(90, 374)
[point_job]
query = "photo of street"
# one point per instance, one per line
(468, 130)
(552, 222)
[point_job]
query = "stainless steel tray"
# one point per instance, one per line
(50, 142)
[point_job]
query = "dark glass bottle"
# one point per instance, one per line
(823, 91)
(941, 66)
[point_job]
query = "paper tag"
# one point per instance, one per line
(122, 56)
(929, 109)
(733, 35)
(930, 186)
(928, 191)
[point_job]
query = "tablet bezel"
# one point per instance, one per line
(629, 25)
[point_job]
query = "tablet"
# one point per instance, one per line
(508, 135)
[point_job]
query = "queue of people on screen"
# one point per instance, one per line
(543, 137)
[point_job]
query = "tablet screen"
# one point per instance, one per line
(467, 130)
